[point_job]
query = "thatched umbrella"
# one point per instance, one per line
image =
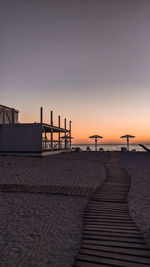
(127, 136)
(95, 137)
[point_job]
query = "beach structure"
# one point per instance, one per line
(96, 137)
(8, 115)
(127, 136)
(37, 138)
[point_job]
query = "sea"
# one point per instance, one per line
(108, 147)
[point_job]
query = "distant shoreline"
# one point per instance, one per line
(111, 147)
(75, 144)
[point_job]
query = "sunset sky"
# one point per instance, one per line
(87, 60)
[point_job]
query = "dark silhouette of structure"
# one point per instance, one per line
(144, 147)
(127, 137)
(32, 138)
(8, 115)
(95, 137)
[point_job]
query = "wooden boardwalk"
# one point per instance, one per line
(48, 189)
(110, 236)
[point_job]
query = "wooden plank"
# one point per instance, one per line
(106, 215)
(108, 205)
(111, 220)
(117, 256)
(51, 189)
(113, 243)
(126, 251)
(106, 229)
(134, 235)
(80, 263)
(118, 225)
(111, 226)
(108, 212)
(91, 236)
(102, 260)
(107, 220)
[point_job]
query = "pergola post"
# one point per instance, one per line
(59, 132)
(3, 115)
(13, 116)
(41, 121)
(45, 139)
(65, 133)
(41, 115)
(51, 129)
(70, 132)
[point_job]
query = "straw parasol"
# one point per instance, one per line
(95, 137)
(127, 136)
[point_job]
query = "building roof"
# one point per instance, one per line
(8, 108)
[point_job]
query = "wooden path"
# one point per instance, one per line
(48, 189)
(110, 236)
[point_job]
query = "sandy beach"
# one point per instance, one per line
(46, 229)
(138, 167)
(74, 103)
(82, 169)
(40, 229)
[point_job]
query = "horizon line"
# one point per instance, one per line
(107, 144)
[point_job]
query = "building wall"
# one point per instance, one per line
(21, 138)
(6, 115)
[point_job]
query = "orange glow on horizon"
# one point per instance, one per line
(108, 140)
(105, 126)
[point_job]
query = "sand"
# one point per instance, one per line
(138, 167)
(44, 229)
(77, 168)
(40, 230)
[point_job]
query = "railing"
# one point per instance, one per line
(46, 145)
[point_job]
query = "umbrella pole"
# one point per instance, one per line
(128, 143)
(96, 144)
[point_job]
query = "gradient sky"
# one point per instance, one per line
(87, 60)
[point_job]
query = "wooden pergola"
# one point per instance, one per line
(63, 139)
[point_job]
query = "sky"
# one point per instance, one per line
(87, 60)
